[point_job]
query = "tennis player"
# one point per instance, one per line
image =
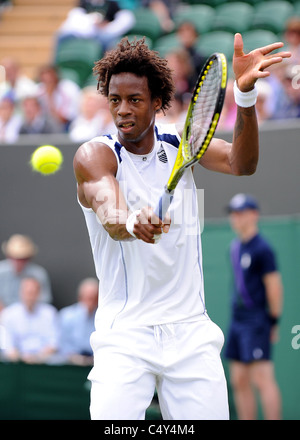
(152, 328)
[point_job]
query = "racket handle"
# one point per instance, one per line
(163, 204)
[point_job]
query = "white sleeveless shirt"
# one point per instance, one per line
(141, 283)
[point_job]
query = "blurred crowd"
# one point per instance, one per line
(32, 329)
(52, 103)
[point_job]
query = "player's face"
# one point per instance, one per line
(133, 111)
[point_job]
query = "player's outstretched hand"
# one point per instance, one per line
(248, 68)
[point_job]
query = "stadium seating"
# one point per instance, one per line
(233, 17)
(257, 38)
(167, 43)
(272, 15)
(201, 16)
(75, 58)
(27, 28)
(212, 3)
(147, 23)
(297, 8)
(218, 41)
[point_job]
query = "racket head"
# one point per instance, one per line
(202, 116)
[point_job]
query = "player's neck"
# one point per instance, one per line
(141, 145)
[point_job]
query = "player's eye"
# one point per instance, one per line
(113, 100)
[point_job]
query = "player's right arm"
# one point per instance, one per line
(95, 167)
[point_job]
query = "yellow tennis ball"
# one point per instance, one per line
(46, 159)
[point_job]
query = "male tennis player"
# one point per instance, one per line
(256, 309)
(152, 329)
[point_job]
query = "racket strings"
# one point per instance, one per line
(204, 108)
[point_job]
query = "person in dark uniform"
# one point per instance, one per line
(256, 309)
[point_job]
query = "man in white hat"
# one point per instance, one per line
(19, 251)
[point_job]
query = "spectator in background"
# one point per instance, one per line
(10, 122)
(76, 324)
(292, 38)
(264, 96)
(19, 251)
(104, 20)
(183, 70)
(229, 111)
(15, 81)
(59, 97)
(256, 310)
(176, 114)
(164, 10)
(34, 121)
(30, 326)
(94, 117)
(188, 36)
(288, 94)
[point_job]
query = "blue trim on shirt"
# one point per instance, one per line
(118, 147)
(169, 138)
(126, 285)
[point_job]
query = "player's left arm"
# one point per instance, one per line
(241, 156)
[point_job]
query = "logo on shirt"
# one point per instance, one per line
(162, 154)
(245, 261)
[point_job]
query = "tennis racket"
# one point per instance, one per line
(201, 122)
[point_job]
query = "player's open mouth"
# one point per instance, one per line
(126, 126)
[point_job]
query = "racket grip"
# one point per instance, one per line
(163, 204)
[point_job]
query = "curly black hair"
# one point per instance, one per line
(136, 57)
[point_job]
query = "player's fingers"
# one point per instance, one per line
(166, 223)
(143, 233)
(279, 54)
(238, 45)
(267, 63)
(166, 228)
(270, 47)
(147, 216)
(262, 74)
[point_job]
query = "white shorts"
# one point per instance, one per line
(181, 360)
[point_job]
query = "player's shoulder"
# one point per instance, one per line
(161, 128)
(94, 154)
(167, 133)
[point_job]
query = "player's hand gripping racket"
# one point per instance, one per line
(201, 122)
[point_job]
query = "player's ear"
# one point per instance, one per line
(157, 104)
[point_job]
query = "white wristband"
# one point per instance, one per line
(244, 99)
(131, 221)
